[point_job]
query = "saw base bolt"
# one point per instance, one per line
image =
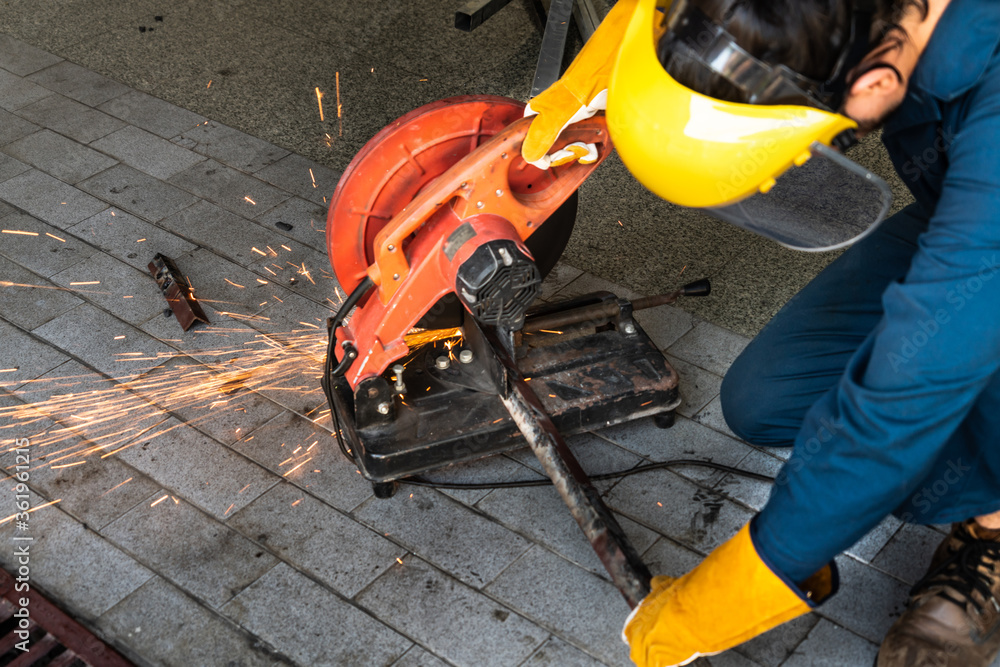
(399, 386)
(465, 356)
(383, 408)
(442, 362)
(629, 328)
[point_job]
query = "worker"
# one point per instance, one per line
(882, 373)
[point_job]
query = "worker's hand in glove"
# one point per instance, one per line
(579, 94)
(732, 596)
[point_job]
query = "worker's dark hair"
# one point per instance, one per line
(807, 36)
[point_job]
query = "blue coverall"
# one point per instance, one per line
(883, 371)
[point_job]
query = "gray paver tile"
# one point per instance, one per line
(231, 189)
(232, 147)
(595, 454)
(418, 657)
(47, 252)
(710, 347)
(84, 572)
(316, 538)
(454, 621)
(161, 624)
(17, 92)
(727, 659)
(147, 152)
(712, 417)
(557, 653)
(14, 127)
(908, 554)
(291, 173)
(772, 648)
(23, 59)
(78, 83)
(166, 453)
(582, 608)
(49, 199)
(670, 559)
(697, 386)
(130, 239)
(201, 555)
(126, 357)
(561, 275)
(751, 492)
(58, 156)
(438, 529)
(30, 307)
(487, 469)
(137, 193)
(587, 283)
(868, 602)
(123, 291)
(29, 356)
(224, 344)
(9, 168)
(308, 221)
(868, 546)
(684, 440)
(69, 117)
(151, 113)
(677, 508)
(318, 628)
(665, 325)
(831, 646)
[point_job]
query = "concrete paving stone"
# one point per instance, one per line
(751, 492)
(69, 117)
(455, 622)
(670, 559)
(291, 173)
(588, 283)
(17, 92)
(231, 189)
(907, 555)
(110, 346)
(20, 420)
(418, 657)
(541, 514)
(31, 300)
(712, 417)
(78, 83)
(829, 645)
(14, 127)
(147, 152)
(170, 454)
(151, 114)
(772, 648)
(490, 469)
(46, 253)
(49, 199)
(232, 147)
(210, 402)
(204, 557)
(23, 59)
(338, 481)
(869, 601)
(125, 292)
(58, 156)
(580, 607)
(317, 627)
(316, 539)
(562, 274)
(9, 168)
(673, 506)
(224, 344)
(130, 239)
(91, 406)
(868, 546)
(709, 346)
(6, 209)
(28, 356)
(159, 624)
(472, 548)
(697, 386)
(74, 565)
(557, 653)
(727, 659)
(665, 325)
(684, 440)
(138, 193)
(308, 221)
(595, 454)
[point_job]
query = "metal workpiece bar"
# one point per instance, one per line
(587, 17)
(472, 14)
(617, 554)
(550, 56)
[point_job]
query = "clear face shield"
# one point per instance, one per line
(823, 201)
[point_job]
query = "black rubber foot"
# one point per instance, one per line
(384, 489)
(665, 419)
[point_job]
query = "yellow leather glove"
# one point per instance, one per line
(732, 596)
(579, 94)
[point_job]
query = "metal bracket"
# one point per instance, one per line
(179, 296)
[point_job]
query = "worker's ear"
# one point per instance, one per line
(880, 81)
(873, 94)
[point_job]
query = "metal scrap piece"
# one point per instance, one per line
(178, 294)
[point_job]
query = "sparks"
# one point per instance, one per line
(551, 331)
(297, 467)
(58, 238)
(259, 252)
(89, 282)
(159, 500)
(620, 224)
(309, 325)
(116, 486)
(399, 560)
(228, 509)
(297, 502)
(140, 240)
(8, 370)
(234, 284)
(68, 465)
(18, 231)
(209, 83)
(340, 122)
(247, 198)
(319, 100)
(312, 177)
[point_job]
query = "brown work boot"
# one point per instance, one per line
(953, 617)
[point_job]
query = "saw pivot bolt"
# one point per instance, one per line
(399, 386)
(465, 356)
(499, 193)
(383, 408)
(442, 362)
